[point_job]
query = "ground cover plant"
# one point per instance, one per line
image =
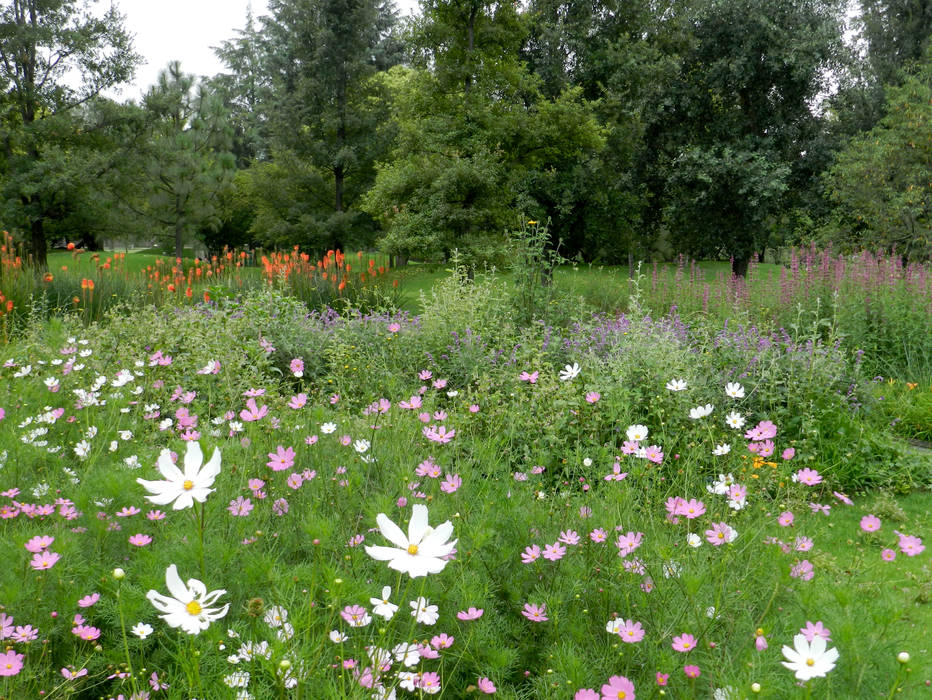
(249, 498)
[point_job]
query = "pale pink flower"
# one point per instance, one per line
(628, 542)
(910, 545)
(785, 519)
(486, 686)
(554, 552)
(44, 560)
(802, 570)
(630, 631)
(297, 401)
(808, 476)
(684, 643)
(870, 523)
(39, 543)
(140, 540)
(618, 687)
(530, 554)
(281, 459)
(532, 377)
(535, 613)
(813, 630)
(451, 483)
(470, 614)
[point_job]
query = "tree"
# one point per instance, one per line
(749, 79)
(42, 42)
(897, 33)
(321, 57)
(881, 183)
(478, 144)
(182, 160)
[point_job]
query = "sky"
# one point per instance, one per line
(185, 30)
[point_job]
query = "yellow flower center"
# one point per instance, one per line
(810, 662)
(412, 549)
(193, 608)
(188, 484)
(9, 666)
(622, 695)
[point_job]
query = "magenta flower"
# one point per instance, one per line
(719, 534)
(429, 681)
(451, 483)
(442, 641)
(486, 686)
(530, 554)
(281, 459)
(252, 412)
(86, 632)
(155, 515)
(630, 631)
(140, 540)
(44, 560)
(684, 643)
(554, 552)
(11, 663)
(813, 630)
(662, 678)
(802, 570)
(628, 542)
(535, 613)
(297, 401)
(39, 543)
(692, 671)
(88, 600)
(692, 509)
(470, 614)
(910, 545)
(807, 476)
(618, 688)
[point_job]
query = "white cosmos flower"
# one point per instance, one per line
(424, 612)
(676, 385)
(328, 428)
(275, 616)
(189, 605)
(569, 372)
(141, 630)
(809, 659)
(382, 607)
(700, 411)
(693, 540)
(421, 552)
(734, 390)
(636, 433)
(361, 446)
(722, 449)
(336, 636)
(735, 420)
(183, 488)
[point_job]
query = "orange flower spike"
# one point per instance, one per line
(342, 285)
(90, 285)
(71, 246)
(189, 292)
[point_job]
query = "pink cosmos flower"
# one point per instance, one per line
(802, 544)
(631, 632)
(684, 643)
(760, 642)
(44, 560)
(25, 633)
(155, 515)
(355, 616)
(785, 519)
(442, 641)
(593, 397)
(535, 613)
(617, 474)
(451, 483)
(6, 626)
(280, 507)
(570, 537)
(474, 408)
(628, 542)
(297, 367)
(692, 508)
(554, 552)
(470, 614)
(532, 377)
(802, 570)
(486, 686)
(252, 412)
(825, 509)
(692, 671)
(788, 453)
(654, 454)
(870, 523)
(808, 476)
(662, 678)
(430, 682)
(127, 512)
(86, 632)
(39, 542)
(297, 401)
(88, 600)
(140, 540)
(843, 498)
(910, 545)
(439, 383)
(281, 459)
(888, 555)
(719, 534)
(598, 535)
(618, 688)
(813, 630)
(586, 694)
(71, 675)
(11, 663)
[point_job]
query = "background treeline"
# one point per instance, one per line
(640, 128)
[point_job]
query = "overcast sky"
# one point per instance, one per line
(185, 30)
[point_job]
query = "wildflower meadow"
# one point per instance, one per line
(243, 496)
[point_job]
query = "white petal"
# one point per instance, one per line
(211, 470)
(437, 537)
(167, 468)
(176, 587)
(193, 459)
(383, 553)
(417, 526)
(391, 532)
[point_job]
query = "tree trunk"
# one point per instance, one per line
(37, 241)
(338, 188)
(630, 264)
(739, 265)
(179, 238)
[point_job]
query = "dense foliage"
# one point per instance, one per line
(716, 128)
